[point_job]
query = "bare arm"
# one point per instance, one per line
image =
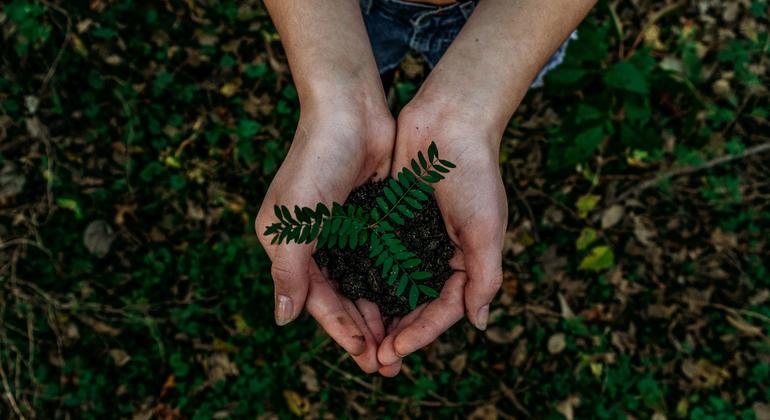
(498, 53)
(464, 105)
(328, 50)
(344, 136)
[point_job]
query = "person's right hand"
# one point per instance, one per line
(336, 147)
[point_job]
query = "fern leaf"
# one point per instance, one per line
(402, 283)
(390, 195)
(432, 151)
(287, 215)
(392, 278)
(447, 163)
(425, 188)
(405, 211)
(396, 218)
(415, 167)
(394, 185)
(427, 290)
(383, 205)
(412, 202)
(321, 211)
(414, 295)
(386, 266)
(414, 262)
(441, 169)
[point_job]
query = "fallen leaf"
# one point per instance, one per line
(298, 404)
(484, 412)
(586, 203)
(218, 366)
(309, 378)
(761, 410)
(120, 357)
(502, 335)
(612, 216)
(11, 181)
(567, 407)
(557, 343)
(98, 238)
(600, 258)
(458, 362)
(586, 238)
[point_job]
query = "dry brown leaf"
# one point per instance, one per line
(567, 407)
(309, 378)
(557, 343)
(502, 335)
(612, 216)
(761, 410)
(120, 357)
(297, 404)
(458, 362)
(98, 238)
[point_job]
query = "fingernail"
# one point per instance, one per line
(482, 316)
(284, 309)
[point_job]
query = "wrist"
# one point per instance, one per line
(461, 120)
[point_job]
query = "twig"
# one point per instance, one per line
(60, 53)
(654, 18)
(524, 201)
(618, 27)
(8, 394)
(688, 170)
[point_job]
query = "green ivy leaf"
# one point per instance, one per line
(587, 237)
(600, 258)
(625, 76)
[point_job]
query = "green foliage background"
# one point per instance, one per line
(159, 126)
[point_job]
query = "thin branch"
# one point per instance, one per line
(8, 394)
(689, 170)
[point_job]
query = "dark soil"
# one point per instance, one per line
(355, 274)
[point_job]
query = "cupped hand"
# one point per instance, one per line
(332, 152)
(473, 204)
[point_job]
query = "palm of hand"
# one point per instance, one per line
(473, 204)
(328, 158)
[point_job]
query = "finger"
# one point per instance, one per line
(371, 314)
(484, 265)
(290, 276)
(386, 354)
(437, 317)
(392, 370)
(367, 360)
(326, 306)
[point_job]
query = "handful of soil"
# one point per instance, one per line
(355, 273)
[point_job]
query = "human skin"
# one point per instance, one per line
(346, 135)
(464, 106)
(344, 138)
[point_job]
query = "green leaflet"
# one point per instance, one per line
(349, 226)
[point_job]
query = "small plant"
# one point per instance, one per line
(350, 226)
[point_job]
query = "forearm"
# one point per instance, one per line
(489, 67)
(328, 50)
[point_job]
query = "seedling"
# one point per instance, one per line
(349, 226)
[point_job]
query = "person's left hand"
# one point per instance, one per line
(473, 204)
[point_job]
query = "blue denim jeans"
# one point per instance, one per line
(397, 26)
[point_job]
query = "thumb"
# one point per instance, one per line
(483, 264)
(290, 275)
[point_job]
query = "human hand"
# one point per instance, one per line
(473, 204)
(336, 148)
